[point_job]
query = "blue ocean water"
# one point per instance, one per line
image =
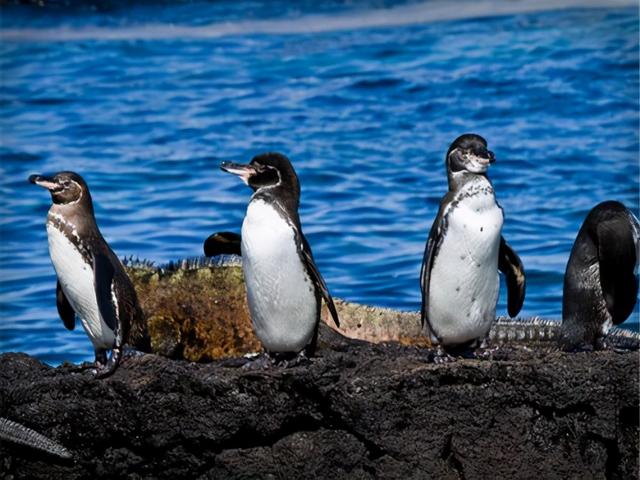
(364, 97)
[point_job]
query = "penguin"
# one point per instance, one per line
(465, 249)
(601, 280)
(283, 283)
(222, 243)
(92, 283)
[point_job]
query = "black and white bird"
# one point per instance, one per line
(222, 243)
(465, 250)
(92, 283)
(601, 279)
(283, 283)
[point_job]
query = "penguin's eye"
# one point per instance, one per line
(66, 183)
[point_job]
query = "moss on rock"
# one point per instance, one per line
(196, 311)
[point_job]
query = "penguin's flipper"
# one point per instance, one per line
(65, 310)
(227, 243)
(433, 242)
(617, 260)
(316, 278)
(102, 281)
(425, 272)
(510, 264)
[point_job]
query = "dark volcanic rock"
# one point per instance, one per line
(356, 411)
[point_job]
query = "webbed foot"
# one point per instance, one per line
(441, 356)
(300, 359)
(261, 362)
(109, 367)
(485, 353)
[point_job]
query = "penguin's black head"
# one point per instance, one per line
(266, 170)
(65, 187)
(469, 153)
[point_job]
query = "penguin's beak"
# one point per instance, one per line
(483, 156)
(487, 155)
(45, 182)
(245, 172)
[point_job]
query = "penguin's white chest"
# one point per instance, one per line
(464, 282)
(77, 280)
(281, 296)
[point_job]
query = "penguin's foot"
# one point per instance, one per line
(300, 359)
(486, 353)
(263, 361)
(442, 356)
(452, 353)
(281, 360)
(497, 353)
(100, 359)
(103, 371)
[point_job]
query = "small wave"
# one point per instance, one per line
(412, 14)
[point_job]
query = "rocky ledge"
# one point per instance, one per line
(358, 410)
(379, 408)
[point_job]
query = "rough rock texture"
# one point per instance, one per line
(358, 410)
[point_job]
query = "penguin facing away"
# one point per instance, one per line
(601, 279)
(283, 283)
(92, 283)
(465, 249)
(222, 243)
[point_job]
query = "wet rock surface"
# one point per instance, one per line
(357, 410)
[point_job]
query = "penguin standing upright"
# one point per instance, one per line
(283, 283)
(92, 283)
(465, 250)
(600, 282)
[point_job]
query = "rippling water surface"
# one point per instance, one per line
(365, 111)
